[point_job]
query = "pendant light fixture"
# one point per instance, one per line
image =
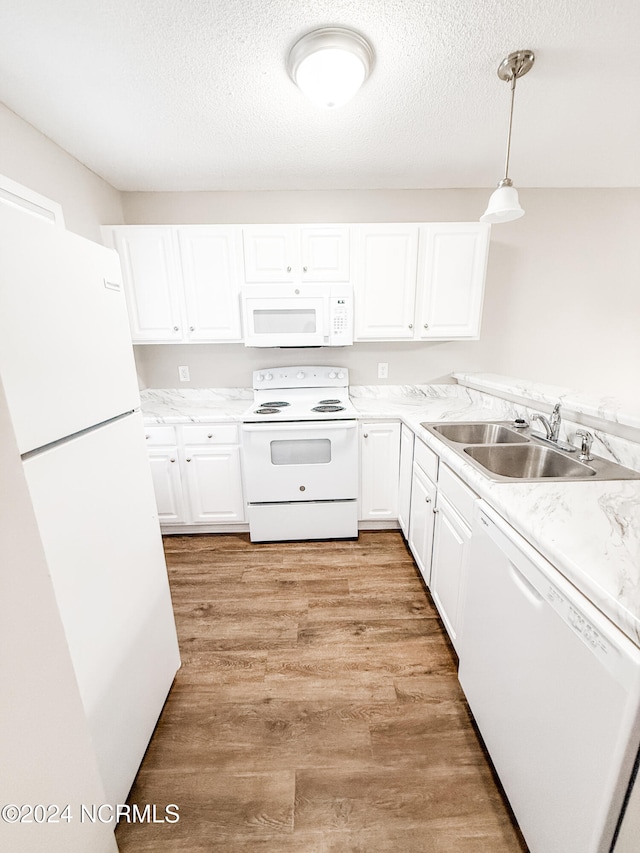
(504, 204)
(330, 64)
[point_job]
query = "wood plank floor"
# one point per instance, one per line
(317, 709)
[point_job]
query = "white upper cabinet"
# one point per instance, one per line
(150, 272)
(325, 253)
(293, 253)
(452, 267)
(182, 283)
(210, 270)
(412, 281)
(429, 288)
(385, 266)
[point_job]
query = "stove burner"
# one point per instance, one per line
(329, 403)
(266, 410)
(325, 408)
(278, 404)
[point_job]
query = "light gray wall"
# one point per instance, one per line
(33, 160)
(562, 301)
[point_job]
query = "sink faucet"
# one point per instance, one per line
(552, 425)
(555, 422)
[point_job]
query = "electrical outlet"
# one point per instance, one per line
(383, 370)
(183, 373)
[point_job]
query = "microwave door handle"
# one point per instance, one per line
(326, 328)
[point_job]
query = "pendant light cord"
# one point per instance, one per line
(506, 181)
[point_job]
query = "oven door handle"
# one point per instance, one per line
(301, 425)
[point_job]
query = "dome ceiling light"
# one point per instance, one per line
(504, 205)
(330, 64)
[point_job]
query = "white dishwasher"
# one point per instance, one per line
(554, 687)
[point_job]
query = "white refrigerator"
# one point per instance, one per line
(67, 366)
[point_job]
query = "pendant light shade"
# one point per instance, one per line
(504, 205)
(330, 64)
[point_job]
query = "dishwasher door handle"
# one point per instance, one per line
(525, 586)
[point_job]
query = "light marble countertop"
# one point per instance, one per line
(194, 405)
(625, 412)
(589, 530)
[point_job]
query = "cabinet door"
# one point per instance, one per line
(152, 283)
(214, 484)
(450, 546)
(406, 469)
(385, 268)
(421, 521)
(379, 471)
(325, 253)
(271, 253)
(210, 269)
(451, 276)
(167, 484)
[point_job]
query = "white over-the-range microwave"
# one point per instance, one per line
(297, 315)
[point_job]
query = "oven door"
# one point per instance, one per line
(306, 461)
(284, 320)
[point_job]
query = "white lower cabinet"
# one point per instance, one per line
(439, 532)
(198, 478)
(213, 484)
(454, 514)
(451, 539)
(167, 484)
(421, 521)
(379, 471)
(404, 485)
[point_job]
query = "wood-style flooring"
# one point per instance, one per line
(317, 709)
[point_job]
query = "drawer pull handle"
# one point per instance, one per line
(427, 500)
(189, 459)
(210, 435)
(172, 460)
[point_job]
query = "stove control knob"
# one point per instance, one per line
(333, 374)
(299, 375)
(341, 375)
(260, 377)
(269, 377)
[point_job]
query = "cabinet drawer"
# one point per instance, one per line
(457, 493)
(426, 459)
(210, 434)
(158, 435)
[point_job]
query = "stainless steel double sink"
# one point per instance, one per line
(504, 452)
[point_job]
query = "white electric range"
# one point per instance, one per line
(301, 455)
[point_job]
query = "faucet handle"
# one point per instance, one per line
(586, 442)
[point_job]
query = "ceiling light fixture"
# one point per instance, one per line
(330, 64)
(504, 204)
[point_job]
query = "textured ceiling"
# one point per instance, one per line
(194, 94)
